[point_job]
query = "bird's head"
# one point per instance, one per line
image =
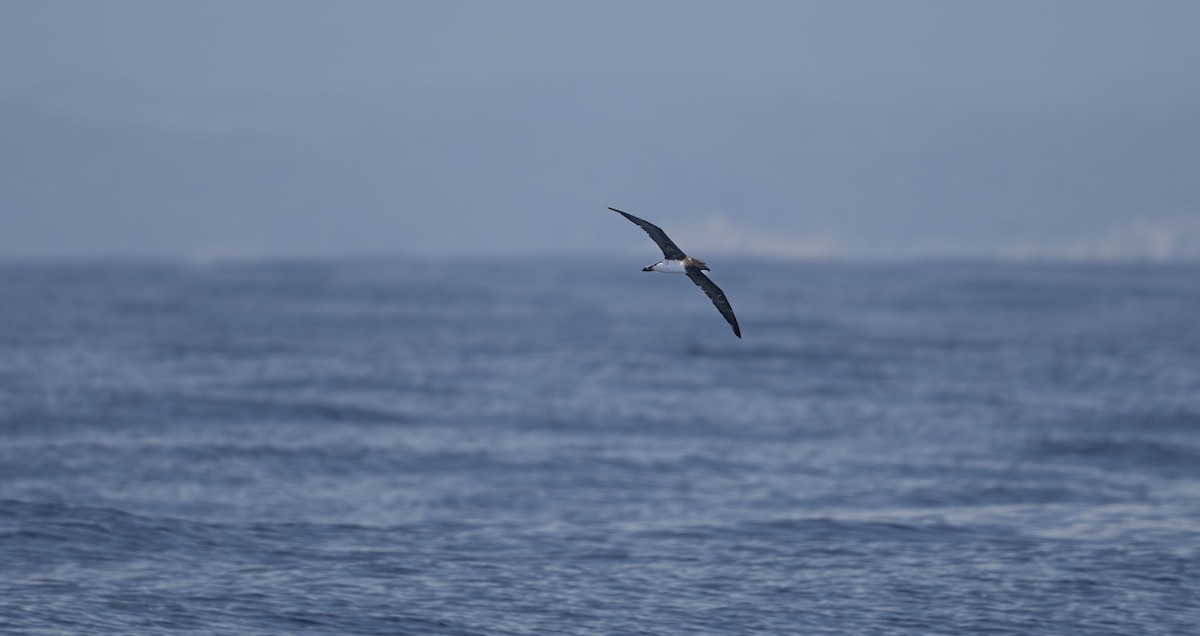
(702, 265)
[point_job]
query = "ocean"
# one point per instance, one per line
(408, 446)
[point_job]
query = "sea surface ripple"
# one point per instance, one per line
(405, 447)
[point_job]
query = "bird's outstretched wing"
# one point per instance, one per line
(670, 250)
(716, 295)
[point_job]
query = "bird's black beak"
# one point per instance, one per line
(648, 268)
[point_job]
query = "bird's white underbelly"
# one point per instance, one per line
(669, 267)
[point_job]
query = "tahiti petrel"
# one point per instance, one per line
(676, 262)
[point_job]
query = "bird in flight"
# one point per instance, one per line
(676, 262)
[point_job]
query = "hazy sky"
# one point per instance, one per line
(812, 129)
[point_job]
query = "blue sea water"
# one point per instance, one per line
(409, 447)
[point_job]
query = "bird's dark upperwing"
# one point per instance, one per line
(717, 296)
(670, 250)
